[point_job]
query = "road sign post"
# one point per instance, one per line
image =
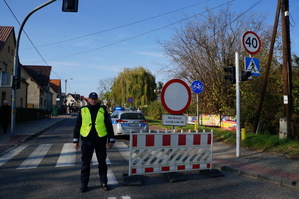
(197, 87)
(238, 110)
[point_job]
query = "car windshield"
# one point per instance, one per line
(132, 116)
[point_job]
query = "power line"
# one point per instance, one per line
(145, 33)
(122, 26)
(142, 34)
(25, 32)
(29, 38)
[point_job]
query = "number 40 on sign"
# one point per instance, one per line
(251, 42)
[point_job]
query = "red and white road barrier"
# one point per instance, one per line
(169, 152)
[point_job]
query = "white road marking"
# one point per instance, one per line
(35, 157)
(67, 156)
(95, 160)
(9, 155)
(123, 149)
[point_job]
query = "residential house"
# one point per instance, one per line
(38, 79)
(83, 101)
(72, 99)
(7, 52)
(55, 89)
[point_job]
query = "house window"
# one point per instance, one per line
(4, 67)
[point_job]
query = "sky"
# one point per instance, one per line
(105, 36)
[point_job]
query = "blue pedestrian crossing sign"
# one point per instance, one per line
(252, 65)
(197, 87)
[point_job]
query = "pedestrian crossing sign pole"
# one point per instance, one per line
(252, 65)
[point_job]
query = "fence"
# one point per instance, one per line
(169, 152)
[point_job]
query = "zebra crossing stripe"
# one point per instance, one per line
(67, 156)
(9, 155)
(123, 149)
(35, 157)
(111, 178)
(94, 159)
(122, 197)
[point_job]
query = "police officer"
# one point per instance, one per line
(94, 126)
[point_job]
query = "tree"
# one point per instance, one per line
(137, 83)
(207, 44)
(104, 90)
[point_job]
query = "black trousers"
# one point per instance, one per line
(87, 152)
(4, 125)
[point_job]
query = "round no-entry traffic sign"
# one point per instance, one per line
(251, 42)
(176, 96)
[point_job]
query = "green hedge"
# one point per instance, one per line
(27, 114)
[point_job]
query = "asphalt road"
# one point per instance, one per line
(37, 169)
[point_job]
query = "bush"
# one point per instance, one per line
(155, 110)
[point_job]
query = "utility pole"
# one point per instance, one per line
(268, 65)
(287, 64)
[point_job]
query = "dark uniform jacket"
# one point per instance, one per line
(5, 111)
(93, 137)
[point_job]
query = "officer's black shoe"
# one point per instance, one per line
(105, 186)
(83, 188)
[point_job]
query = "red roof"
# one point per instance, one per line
(5, 31)
(55, 84)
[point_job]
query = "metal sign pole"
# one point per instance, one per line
(237, 104)
(197, 111)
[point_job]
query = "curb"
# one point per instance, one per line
(29, 137)
(257, 176)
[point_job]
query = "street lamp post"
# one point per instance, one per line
(65, 85)
(16, 71)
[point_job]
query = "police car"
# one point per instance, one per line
(124, 122)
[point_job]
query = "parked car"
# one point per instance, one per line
(124, 122)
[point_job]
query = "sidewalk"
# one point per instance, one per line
(27, 130)
(255, 164)
(251, 163)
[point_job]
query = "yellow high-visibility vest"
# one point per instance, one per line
(87, 123)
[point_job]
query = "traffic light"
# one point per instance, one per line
(16, 82)
(231, 74)
(245, 75)
(70, 5)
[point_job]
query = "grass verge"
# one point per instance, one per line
(264, 142)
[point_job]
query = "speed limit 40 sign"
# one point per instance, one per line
(251, 42)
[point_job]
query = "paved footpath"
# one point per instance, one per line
(27, 130)
(255, 164)
(251, 163)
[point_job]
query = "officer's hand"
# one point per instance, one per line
(110, 145)
(76, 146)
